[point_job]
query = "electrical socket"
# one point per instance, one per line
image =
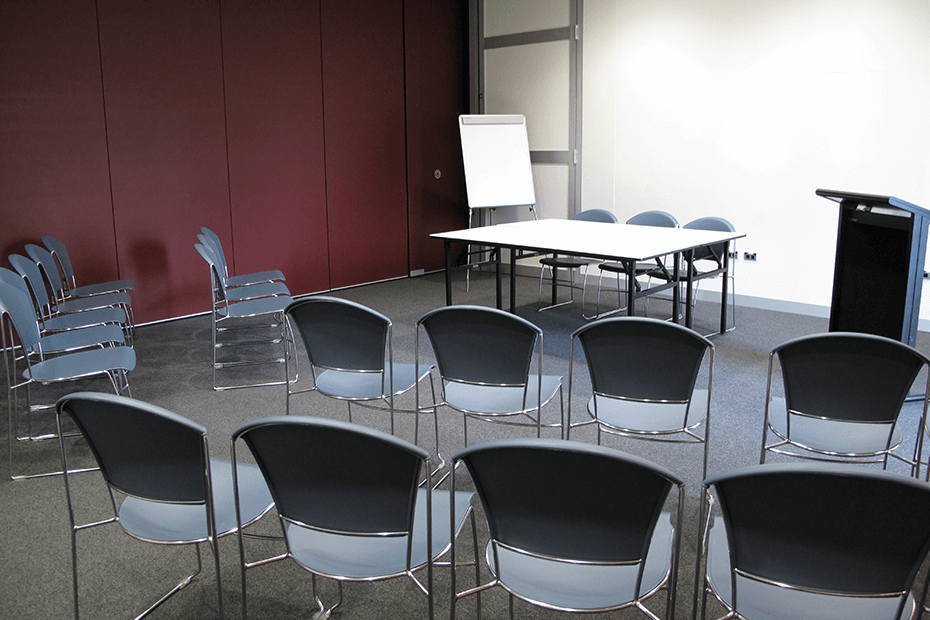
(735, 256)
(749, 256)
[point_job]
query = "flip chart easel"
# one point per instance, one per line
(496, 153)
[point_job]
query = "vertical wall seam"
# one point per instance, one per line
(106, 139)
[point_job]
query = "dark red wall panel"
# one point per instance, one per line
(274, 107)
(53, 151)
(436, 50)
(163, 86)
(363, 108)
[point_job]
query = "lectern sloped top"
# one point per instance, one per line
(873, 200)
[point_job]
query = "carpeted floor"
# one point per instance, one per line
(120, 576)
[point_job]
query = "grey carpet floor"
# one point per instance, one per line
(119, 576)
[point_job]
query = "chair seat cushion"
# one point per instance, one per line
(586, 587)
(369, 385)
(639, 417)
(759, 601)
(102, 288)
(179, 523)
(82, 364)
(372, 557)
(831, 435)
(496, 400)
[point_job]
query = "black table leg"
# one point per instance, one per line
(726, 280)
(497, 264)
(448, 248)
(689, 295)
(513, 281)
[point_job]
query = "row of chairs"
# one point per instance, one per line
(571, 526)
(841, 398)
(54, 331)
(656, 269)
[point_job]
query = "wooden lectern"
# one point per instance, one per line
(880, 250)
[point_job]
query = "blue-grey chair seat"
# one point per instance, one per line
(251, 279)
(102, 288)
(82, 364)
(381, 557)
(568, 585)
(832, 436)
(496, 400)
(657, 418)
(257, 291)
(186, 523)
(92, 336)
(369, 385)
(255, 307)
(78, 320)
(83, 304)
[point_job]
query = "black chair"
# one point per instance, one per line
(164, 487)
(575, 527)
(355, 504)
(485, 359)
(351, 353)
(651, 269)
(573, 263)
(715, 256)
(825, 541)
(843, 393)
(643, 376)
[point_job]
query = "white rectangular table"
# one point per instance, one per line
(622, 243)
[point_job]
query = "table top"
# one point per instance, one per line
(591, 239)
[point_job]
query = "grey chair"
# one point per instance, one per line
(572, 263)
(243, 292)
(60, 252)
(655, 268)
(576, 527)
(714, 256)
(245, 279)
(842, 396)
(351, 353)
(826, 541)
(355, 504)
(164, 486)
(244, 325)
(644, 381)
(53, 320)
(485, 359)
(98, 356)
(66, 301)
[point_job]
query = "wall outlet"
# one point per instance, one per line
(734, 255)
(749, 256)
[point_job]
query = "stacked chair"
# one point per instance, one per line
(241, 307)
(51, 336)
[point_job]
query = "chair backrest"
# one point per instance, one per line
(642, 359)
(142, 450)
(568, 500)
(48, 267)
(58, 250)
(213, 242)
(829, 528)
(713, 252)
(13, 279)
(848, 376)
(596, 215)
(654, 218)
(475, 344)
(215, 270)
(336, 476)
(341, 334)
(16, 303)
(33, 277)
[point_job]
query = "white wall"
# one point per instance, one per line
(743, 109)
